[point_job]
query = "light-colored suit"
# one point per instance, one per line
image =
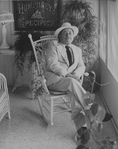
(57, 66)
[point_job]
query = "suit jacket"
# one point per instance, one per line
(57, 64)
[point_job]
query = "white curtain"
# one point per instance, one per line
(103, 30)
(109, 35)
(113, 38)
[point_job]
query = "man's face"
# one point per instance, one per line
(66, 36)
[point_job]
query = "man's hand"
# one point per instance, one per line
(69, 75)
(77, 78)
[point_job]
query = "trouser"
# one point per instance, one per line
(75, 89)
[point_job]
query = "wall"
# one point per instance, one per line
(109, 92)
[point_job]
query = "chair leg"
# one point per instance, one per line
(8, 109)
(66, 102)
(51, 112)
(9, 116)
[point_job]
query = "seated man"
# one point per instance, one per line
(65, 66)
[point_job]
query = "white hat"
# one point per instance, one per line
(67, 25)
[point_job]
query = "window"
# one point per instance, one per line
(109, 35)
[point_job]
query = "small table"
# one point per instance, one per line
(7, 51)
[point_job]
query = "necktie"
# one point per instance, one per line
(69, 55)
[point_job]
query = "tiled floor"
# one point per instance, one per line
(28, 130)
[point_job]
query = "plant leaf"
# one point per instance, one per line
(88, 118)
(88, 98)
(80, 131)
(75, 112)
(107, 117)
(86, 135)
(94, 108)
(81, 146)
(95, 126)
(100, 126)
(101, 114)
(79, 121)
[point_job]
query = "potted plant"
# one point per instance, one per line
(89, 122)
(23, 49)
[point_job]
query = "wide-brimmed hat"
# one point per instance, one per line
(67, 25)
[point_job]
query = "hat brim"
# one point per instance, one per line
(74, 28)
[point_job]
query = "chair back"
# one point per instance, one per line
(3, 82)
(47, 102)
(3, 88)
(38, 46)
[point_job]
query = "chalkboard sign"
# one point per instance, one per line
(36, 14)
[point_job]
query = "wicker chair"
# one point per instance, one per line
(4, 97)
(48, 101)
